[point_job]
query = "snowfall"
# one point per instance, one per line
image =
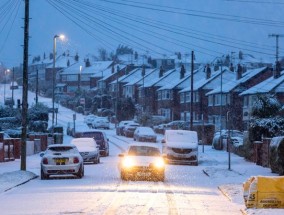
(103, 192)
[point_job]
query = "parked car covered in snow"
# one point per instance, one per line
(88, 148)
(60, 159)
(145, 134)
(181, 146)
(89, 119)
(237, 138)
(100, 138)
(101, 122)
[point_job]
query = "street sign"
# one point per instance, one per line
(82, 101)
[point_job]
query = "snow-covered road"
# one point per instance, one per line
(209, 188)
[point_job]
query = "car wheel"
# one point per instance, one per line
(43, 176)
(80, 173)
(195, 163)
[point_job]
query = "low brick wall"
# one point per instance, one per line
(261, 152)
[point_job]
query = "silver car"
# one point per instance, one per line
(60, 159)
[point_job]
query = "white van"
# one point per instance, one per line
(180, 146)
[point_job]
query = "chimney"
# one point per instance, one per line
(232, 68)
(87, 62)
(76, 57)
(182, 72)
(277, 70)
(112, 69)
(239, 72)
(208, 72)
(161, 73)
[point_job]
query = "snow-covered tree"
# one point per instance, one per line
(267, 120)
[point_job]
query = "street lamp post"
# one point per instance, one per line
(5, 82)
(53, 75)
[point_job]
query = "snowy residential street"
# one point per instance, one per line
(209, 188)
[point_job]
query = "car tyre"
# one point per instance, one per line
(43, 176)
(80, 173)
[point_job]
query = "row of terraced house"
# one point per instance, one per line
(217, 92)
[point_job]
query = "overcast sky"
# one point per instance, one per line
(158, 27)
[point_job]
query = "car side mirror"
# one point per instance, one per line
(120, 155)
(41, 154)
(163, 141)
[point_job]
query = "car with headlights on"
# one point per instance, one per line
(144, 134)
(142, 161)
(61, 159)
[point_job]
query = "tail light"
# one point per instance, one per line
(45, 161)
(75, 160)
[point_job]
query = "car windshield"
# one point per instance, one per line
(143, 151)
(179, 137)
(64, 149)
(95, 135)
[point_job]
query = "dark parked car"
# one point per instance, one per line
(129, 129)
(101, 140)
(121, 125)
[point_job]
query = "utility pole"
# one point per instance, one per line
(25, 87)
(36, 99)
(191, 91)
(277, 43)
(116, 100)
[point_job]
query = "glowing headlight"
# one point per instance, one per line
(159, 163)
(128, 162)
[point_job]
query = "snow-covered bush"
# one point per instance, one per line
(267, 120)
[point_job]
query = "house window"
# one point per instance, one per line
(246, 101)
(72, 78)
(217, 100)
(210, 100)
(195, 97)
(182, 115)
(165, 112)
(187, 97)
(181, 97)
(159, 95)
(224, 96)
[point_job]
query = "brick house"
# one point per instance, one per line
(168, 99)
(206, 83)
(231, 103)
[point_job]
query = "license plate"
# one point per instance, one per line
(144, 174)
(60, 160)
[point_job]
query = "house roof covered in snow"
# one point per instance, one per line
(229, 85)
(181, 83)
(267, 86)
(139, 78)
